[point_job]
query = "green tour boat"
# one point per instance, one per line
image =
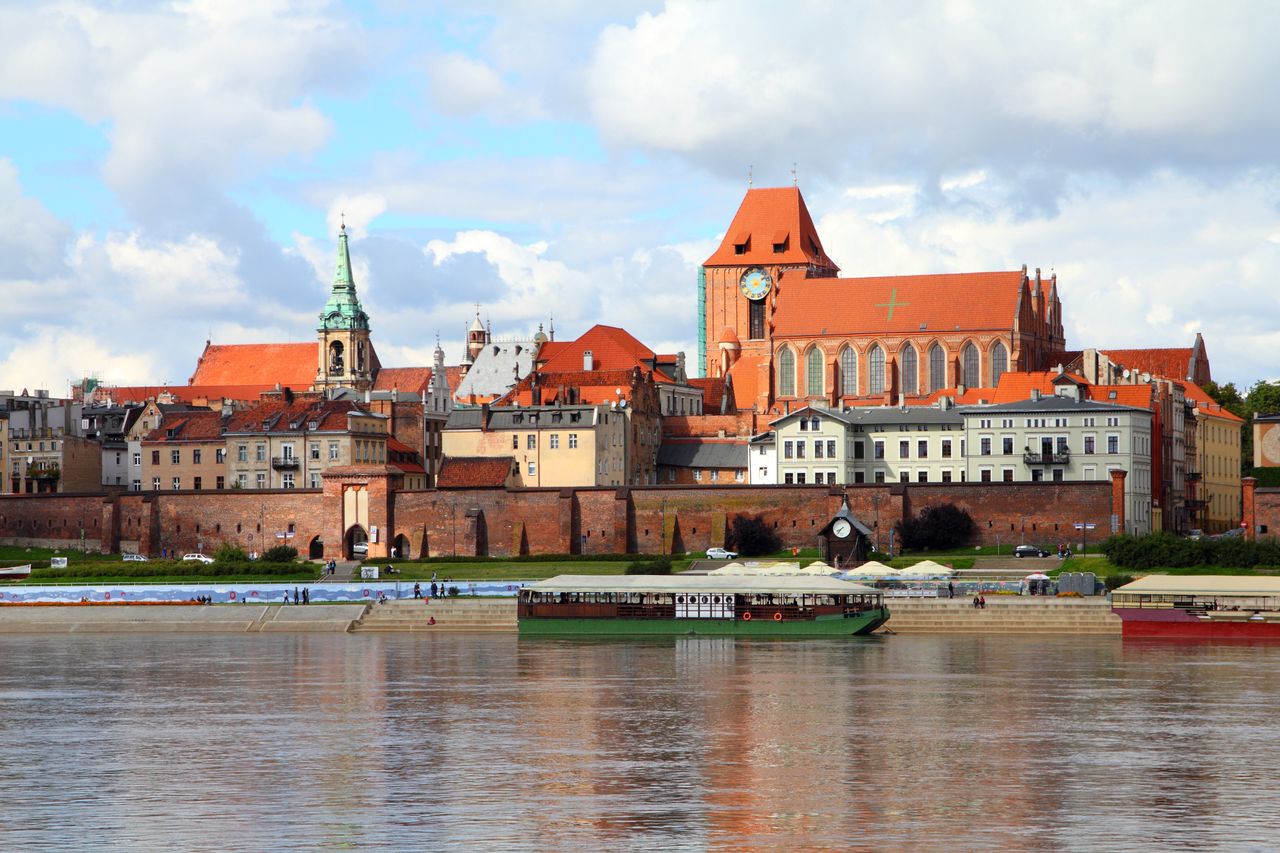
(700, 604)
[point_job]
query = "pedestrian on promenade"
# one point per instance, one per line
(286, 596)
(951, 590)
(982, 602)
(296, 598)
(975, 602)
(306, 595)
(417, 590)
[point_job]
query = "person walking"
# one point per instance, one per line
(951, 590)
(433, 588)
(417, 590)
(306, 595)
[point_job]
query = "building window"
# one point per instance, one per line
(800, 478)
(922, 476)
(985, 446)
(1062, 445)
(859, 477)
(175, 457)
(985, 475)
(715, 476)
(315, 479)
(136, 485)
(787, 450)
(969, 363)
(555, 441)
(137, 459)
(155, 484)
(221, 482)
(315, 451)
(879, 476)
(756, 311)
(848, 372)
(800, 449)
(937, 368)
(260, 453)
(739, 475)
(573, 440)
(242, 453)
(1113, 444)
(786, 373)
(1037, 475)
(1006, 474)
(286, 479)
(220, 455)
(1057, 475)
(177, 483)
(197, 456)
(875, 362)
(946, 448)
(922, 448)
(904, 476)
(904, 449)
(859, 450)
(671, 475)
(155, 456)
(531, 442)
(831, 448)
(1089, 441)
(999, 363)
(533, 468)
(817, 450)
(788, 478)
(946, 476)
(813, 372)
(878, 450)
(333, 450)
(1007, 444)
(262, 480)
(910, 371)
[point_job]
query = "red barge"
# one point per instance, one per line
(1232, 607)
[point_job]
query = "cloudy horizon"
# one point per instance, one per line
(175, 172)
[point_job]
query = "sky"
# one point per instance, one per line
(176, 172)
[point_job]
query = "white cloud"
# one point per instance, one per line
(357, 211)
(463, 85)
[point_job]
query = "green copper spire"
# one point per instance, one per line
(343, 310)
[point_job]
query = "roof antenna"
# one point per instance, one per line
(750, 170)
(794, 182)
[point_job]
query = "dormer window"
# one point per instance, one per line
(742, 243)
(313, 425)
(780, 242)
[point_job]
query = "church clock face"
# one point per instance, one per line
(841, 528)
(755, 283)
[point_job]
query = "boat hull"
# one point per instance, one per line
(1181, 625)
(822, 626)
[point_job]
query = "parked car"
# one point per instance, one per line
(1196, 533)
(720, 554)
(134, 558)
(360, 549)
(1030, 551)
(196, 558)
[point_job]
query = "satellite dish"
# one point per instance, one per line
(1127, 373)
(1146, 377)
(618, 391)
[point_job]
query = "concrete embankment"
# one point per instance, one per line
(1002, 615)
(185, 619)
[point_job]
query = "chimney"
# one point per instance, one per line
(484, 417)
(1035, 394)
(586, 359)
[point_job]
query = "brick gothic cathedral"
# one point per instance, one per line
(779, 321)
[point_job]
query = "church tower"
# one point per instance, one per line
(345, 355)
(771, 235)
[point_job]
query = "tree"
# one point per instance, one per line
(1263, 399)
(751, 537)
(936, 528)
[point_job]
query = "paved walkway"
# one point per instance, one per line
(346, 572)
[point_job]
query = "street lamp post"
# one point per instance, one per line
(663, 532)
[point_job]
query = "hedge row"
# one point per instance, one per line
(169, 569)
(1165, 551)
(528, 558)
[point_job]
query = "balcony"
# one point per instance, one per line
(1193, 476)
(1051, 457)
(285, 463)
(44, 471)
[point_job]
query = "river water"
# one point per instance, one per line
(489, 742)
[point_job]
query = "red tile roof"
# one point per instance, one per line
(746, 374)
(1204, 403)
(1168, 363)
(611, 348)
(767, 216)
(199, 425)
(592, 387)
(908, 304)
(410, 380)
(404, 457)
(186, 393)
(712, 393)
(278, 414)
(290, 365)
(463, 472)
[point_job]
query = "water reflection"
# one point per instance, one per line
(489, 742)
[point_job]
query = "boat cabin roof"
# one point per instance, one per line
(1201, 585)
(739, 584)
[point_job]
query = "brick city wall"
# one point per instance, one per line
(499, 522)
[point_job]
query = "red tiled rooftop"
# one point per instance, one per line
(461, 472)
(290, 365)
(611, 348)
(199, 425)
(409, 380)
(1168, 363)
(770, 215)
(908, 304)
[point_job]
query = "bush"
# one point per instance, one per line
(228, 553)
(1113, 581)
(936, 528)
(280, 554)
(158, 569)
(751, 537)
(660, 566)
(453, 592)
(1166, 551)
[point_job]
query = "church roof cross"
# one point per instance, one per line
(892, 303)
